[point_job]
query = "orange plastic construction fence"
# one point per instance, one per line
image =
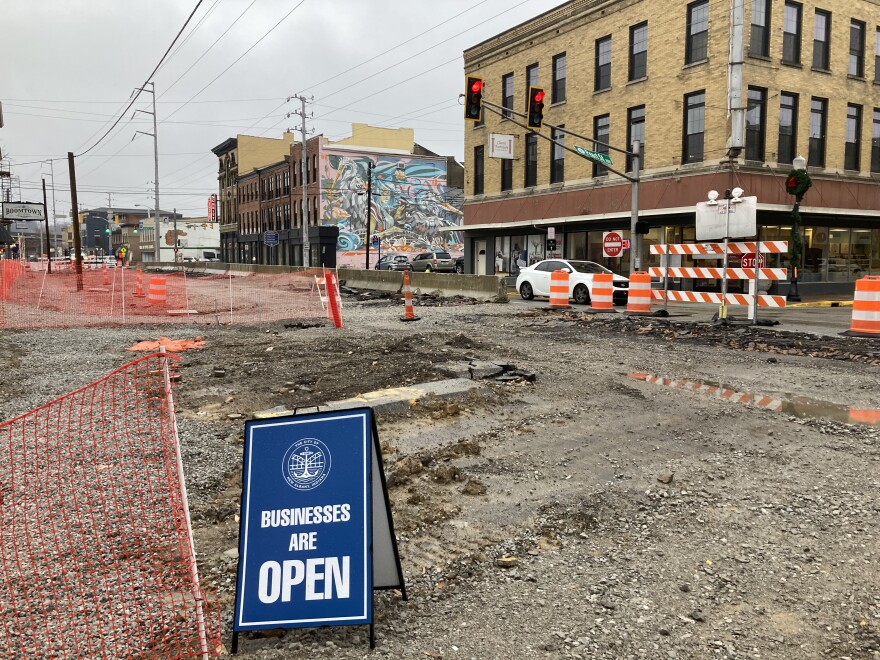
(96, 553)
(37, 299)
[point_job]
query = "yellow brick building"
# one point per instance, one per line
(620, 70)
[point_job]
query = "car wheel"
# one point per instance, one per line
(525, 290)
(459, 269)
(581, 294)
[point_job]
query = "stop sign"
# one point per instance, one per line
(748, 260)
(612, 244)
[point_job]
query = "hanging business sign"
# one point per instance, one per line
(500, 146)
(307, 552)
(22, 211)
(212, 208)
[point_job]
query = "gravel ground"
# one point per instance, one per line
(586, 514)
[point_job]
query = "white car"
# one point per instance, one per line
(534, 280)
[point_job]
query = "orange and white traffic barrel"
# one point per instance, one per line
(158, 292)
(602, 296)
(866, 308)
(409, 314)
(559, 291)
(639, 296)
(139, 283)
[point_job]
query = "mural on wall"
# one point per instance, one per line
(410, 204)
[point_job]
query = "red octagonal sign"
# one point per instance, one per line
(612, 244)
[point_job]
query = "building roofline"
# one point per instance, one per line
(226, 146)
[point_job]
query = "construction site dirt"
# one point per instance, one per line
(618, 487)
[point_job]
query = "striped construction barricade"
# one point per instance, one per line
(559, 291)
(602, 296)
(866, 308)
(639, 296)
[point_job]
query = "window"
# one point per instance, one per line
(818, 115)
(756, 122)
(822, 40)
(877, 56)
(603, 64)
(856, 48)
(478, 170)
(531, 165)
(558, 78)
(694, 126)
(506, 174)
(557, 158)
(638, 51)
(791, 33)
(697, 46)
(875, 142)
(601, 132)
(635, 130)
(853, 137)
(531, 76)
(788, 108)
(507, 94)
(760, 36)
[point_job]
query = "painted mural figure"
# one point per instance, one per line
(408, 209)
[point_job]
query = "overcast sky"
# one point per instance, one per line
(68, 69)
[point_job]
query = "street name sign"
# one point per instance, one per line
(270, 238)
(594, 155)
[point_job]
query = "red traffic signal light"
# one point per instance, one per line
(535, 109)
(473, 99)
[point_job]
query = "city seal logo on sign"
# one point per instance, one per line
(306, 464)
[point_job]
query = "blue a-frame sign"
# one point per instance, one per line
(306, 555)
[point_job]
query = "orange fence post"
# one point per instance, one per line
(602, 296)
(866, 308)
(409, 314)
(559, 292)
(333, 302)
(106, 274)
(139, 283)
(639, 296)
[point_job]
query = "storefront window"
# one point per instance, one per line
(535, 248)
(860, 253)
(502, 254)
(875, 252)
(653, 237)
(839, 267)
(518, 254)
(815, 240)
(576, 247)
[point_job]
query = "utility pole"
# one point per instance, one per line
(109, 232)
(635, 248)
(54, 215)
(155, 135)
(74, 210)
(46, 220)
(304, 168)
(735, 72)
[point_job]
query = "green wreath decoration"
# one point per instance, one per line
(798, 182)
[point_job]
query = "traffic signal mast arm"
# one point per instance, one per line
(506, 112)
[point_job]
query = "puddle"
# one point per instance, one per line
(796, 406)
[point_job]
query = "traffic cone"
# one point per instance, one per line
(407, 300)
(139, 283)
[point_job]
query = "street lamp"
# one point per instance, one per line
(797, 183)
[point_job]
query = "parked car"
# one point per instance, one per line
(427, 262)
(459, 265)
(393, 262)
(534, 280)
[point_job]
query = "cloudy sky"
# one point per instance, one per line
(69, 68)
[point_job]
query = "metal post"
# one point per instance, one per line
(156, 170)
(306, 249)
(77, 257)
(46, 220)
(755, 283)
(635, 248)
(174, 218)
(722, 310)
(369, 207)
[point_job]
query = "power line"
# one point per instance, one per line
(138, 92)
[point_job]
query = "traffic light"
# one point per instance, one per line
(473, 99)
(642, 227)
(535, 110)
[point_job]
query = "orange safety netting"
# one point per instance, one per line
(96, 553)
(37, 299)
(170, 345)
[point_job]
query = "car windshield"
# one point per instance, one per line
(442, 255)
(400, 260)
(588, 267)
